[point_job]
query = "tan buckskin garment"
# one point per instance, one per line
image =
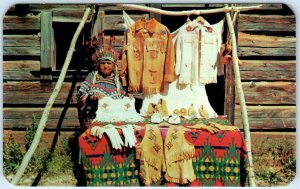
(173, 156)
(148, 57)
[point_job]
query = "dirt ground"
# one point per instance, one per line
(66, 179)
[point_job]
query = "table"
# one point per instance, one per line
(220, 159)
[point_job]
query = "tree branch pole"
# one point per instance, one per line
(241, 96)
(184, 13)
(26, 159)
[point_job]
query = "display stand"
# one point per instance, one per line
(57, 88)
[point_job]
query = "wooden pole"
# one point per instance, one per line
(47, 47)
(189, 12)
(241, 96)
(26, 159)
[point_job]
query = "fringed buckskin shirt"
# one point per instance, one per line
(173, 156)
(148, 57)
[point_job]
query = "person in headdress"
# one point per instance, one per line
(101, 82)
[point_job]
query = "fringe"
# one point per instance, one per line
(134, 89)
(182, 156)
(146, 90)
(208, 80)
(152, 179)
(151, 90)
(155, 178)
(180, 180)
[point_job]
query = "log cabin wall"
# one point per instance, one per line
(266, 40)
(267, 48)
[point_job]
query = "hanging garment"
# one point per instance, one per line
(188, 69)
(179, 96)
(173, 156)
(187, 53)
(197, 52)
(211, 44)
(148, 57)
(115, 110)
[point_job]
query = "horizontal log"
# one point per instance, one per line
(268, 76)
(114, 22)
(14, 75)
(269, 92)
(21, 65)
(51, 124)
(21, 26)
(36, 98)
(34, 74)
(268, 65)
(267, 111)
(273, 19)
(21, 118)
(36, 93)
(267, 27)
(22, 51)
(21, 40)
(28, 87)
(28, 112)
(47, 7)
(268, 70)
(70, 15)
(21, 23)
(266, 23)
(249, 40)
(275, 52)
(264, 6)
(268, 123)
(268, 117)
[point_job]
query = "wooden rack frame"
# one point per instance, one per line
(226, 9)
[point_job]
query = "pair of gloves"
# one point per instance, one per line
(114, 137)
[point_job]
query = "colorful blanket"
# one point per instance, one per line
(220, 159)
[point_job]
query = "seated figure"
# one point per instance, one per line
(102, 82)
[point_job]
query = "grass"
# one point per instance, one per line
(51, 168)
(44, 164)
(274, 160)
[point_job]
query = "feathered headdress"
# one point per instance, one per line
(103, 49)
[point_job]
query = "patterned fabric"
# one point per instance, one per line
(105, 86)
(220, 159)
